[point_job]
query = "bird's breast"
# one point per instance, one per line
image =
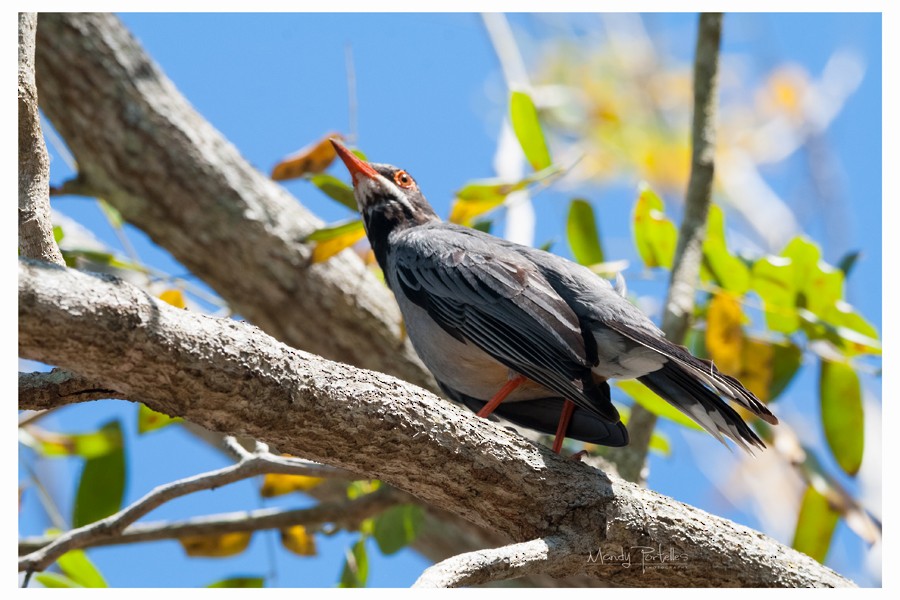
(461, 366)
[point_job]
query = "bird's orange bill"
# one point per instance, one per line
(355, 165)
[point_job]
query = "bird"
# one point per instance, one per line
(527, 335)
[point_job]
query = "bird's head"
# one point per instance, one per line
(387, 197)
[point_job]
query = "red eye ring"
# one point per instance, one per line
(403, 179)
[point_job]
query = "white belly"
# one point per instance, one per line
(461, 366)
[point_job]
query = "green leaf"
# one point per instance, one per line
(848, 261)
(85, 445)
(239, 582)
(490, 190)
(819, 286)
(335, 189)
(654, 235)
(773, 280)
(397, 527)
(78, 567)
(649, 400)
(524, 118)
(344, 228)
(480, 196)
(483, 225)
(150, 420)
(581, 231)
(842, 413)
(815, 525)
(102, 484)
(786, 361)
(55, 580)
(58, 234)
(718, 264)
(112, 213)
(856, 335)
(101, 258)
(356, 566)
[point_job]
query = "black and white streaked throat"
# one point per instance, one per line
(388, 199)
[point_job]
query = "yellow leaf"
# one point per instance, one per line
(277, 485)
(724, 335)
(464, 211)
(298, 540)
(227, 544)
(314, 158)
(173, 297)
(756, 372)
(328, 248)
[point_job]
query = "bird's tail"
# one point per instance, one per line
(688, 393)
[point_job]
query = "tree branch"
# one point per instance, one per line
(346, 514)
(144, 148)
(689, 253)
(228, 376)
(43, 390)
(35, 231)
(483, 566)
(111, 528)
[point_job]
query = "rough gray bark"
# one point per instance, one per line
(229, 376)
(58, 388)
(35, 231)
(679, 304)
(144, 149)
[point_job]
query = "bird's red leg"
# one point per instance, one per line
(564, 418)
(505, 391)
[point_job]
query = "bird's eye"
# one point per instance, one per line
(403, 179)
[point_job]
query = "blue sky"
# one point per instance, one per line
(426, 89)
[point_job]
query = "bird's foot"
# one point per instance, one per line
(579, 455)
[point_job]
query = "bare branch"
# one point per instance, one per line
(35, 231)
(112, 527)
(42, 390)
(346, 514)
(142, 147)
(483, 566)
(689, 253)
(230, 377)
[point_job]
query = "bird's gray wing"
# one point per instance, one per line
(495, 298)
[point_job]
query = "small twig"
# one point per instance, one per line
(483, 566)
(352, 104)
(235, 448)
(32, 416)
(346, 514)
(250, 465)
(689, 252)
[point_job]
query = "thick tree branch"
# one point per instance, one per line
(144, 148)
(228, 376)
(35, 231)
(507, 562)
(689, 253)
